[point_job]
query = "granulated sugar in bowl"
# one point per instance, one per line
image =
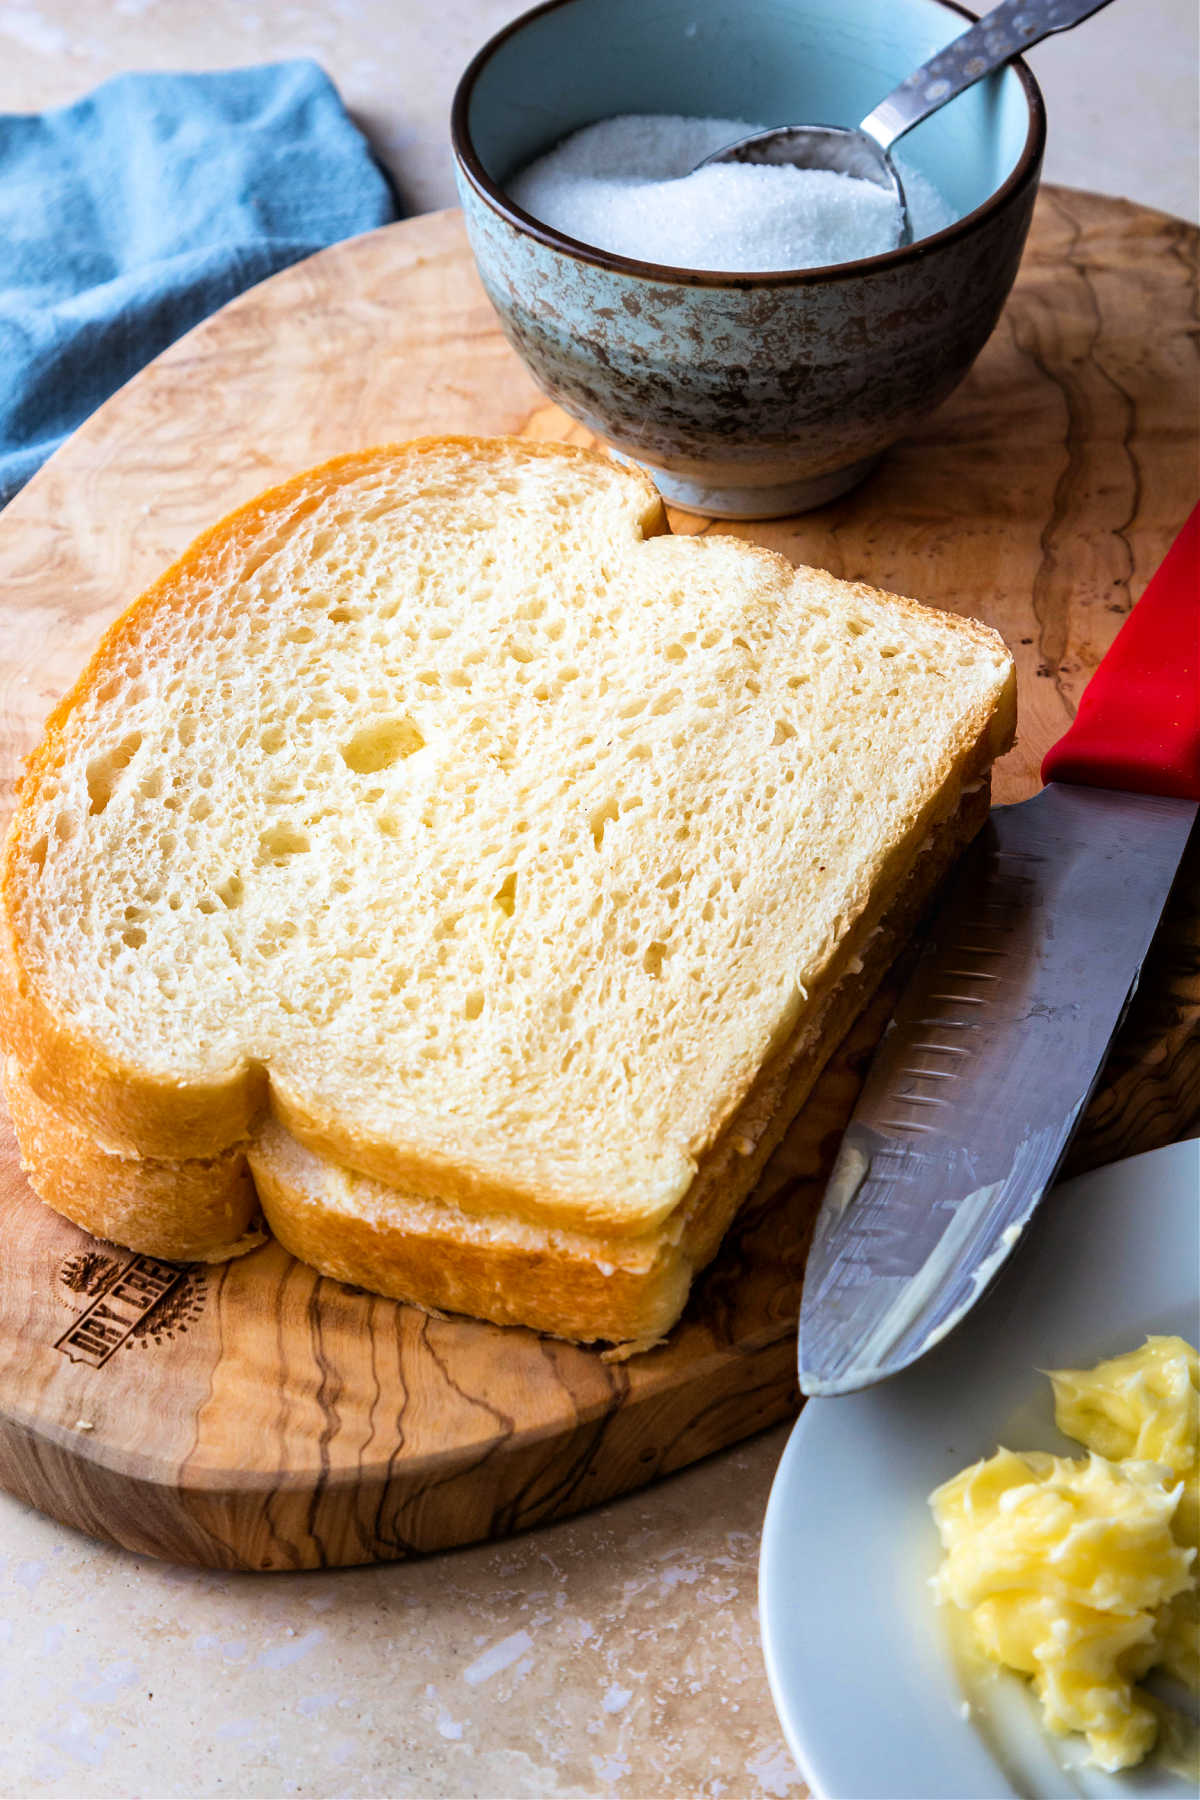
(631, 185)
(752, 337)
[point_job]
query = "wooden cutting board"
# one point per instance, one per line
(258, 1416)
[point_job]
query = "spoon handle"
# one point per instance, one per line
(1000, 35)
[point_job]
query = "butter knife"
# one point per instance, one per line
(993, 1052)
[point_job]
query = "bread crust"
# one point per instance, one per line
(193, 1211)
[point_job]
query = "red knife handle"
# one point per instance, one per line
(1138, 724)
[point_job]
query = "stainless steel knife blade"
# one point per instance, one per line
(984, 1072)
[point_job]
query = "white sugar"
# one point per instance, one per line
(626, 185)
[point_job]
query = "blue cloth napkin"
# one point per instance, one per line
(127, 217)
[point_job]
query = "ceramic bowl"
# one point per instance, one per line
(746, 396)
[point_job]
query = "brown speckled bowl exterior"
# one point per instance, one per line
(758, 395)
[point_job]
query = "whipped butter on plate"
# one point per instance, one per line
(1081, 1573)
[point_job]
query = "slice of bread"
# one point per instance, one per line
(581, 1286)
(510, 854)
(491, 840)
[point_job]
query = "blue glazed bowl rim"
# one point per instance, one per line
(1025, 172)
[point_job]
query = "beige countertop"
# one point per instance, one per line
(616, 1654)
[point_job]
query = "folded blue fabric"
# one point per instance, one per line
(127, 217)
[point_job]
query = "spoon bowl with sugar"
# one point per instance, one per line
(864, 152)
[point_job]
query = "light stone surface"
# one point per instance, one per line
(616, 1654)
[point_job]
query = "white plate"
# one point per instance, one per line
(857, 1653)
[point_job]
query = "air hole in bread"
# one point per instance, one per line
(104, 771)
(134, 936)
(783, 731)
(675, 653)
(473, 1005)
(232, 891)
(599, 819)
(380, 744)
(272, 739)
(282, 841)
(505, 896)
(652, 961)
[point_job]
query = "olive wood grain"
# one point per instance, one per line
(258, 1416)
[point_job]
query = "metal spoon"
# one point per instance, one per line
(866, 152)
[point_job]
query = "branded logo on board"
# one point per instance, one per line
(142, 1300)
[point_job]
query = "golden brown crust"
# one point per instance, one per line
(509, 1284)
(194, 1211)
